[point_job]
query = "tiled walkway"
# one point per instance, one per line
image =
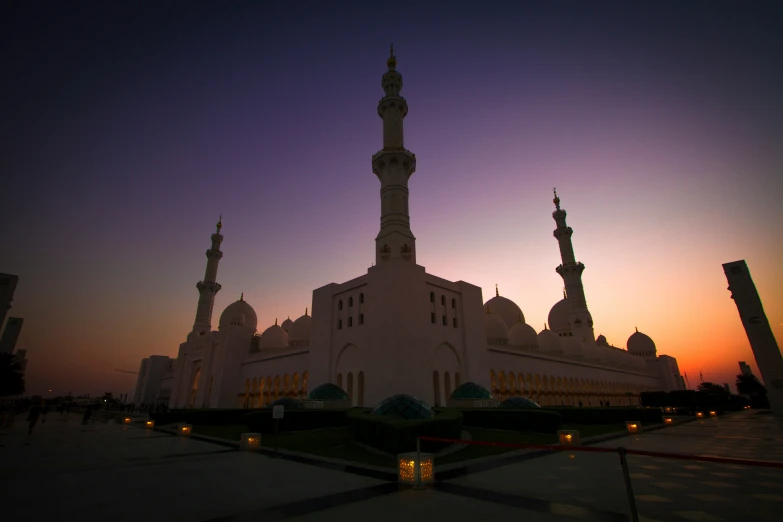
(122, 473)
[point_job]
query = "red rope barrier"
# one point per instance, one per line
(595, 449)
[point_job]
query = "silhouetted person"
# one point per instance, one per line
(607, 404)
(580, 404)
(32, 417)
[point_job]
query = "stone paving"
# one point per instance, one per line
(101, 472)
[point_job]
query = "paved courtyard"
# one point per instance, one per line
(102, 472)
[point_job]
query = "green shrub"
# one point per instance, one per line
(261, 421)
(396, 435)
(532, 420)
(604, 416)
(203, 417)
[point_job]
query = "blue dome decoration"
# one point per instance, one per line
(519, 403)
(470, 390)
(403, 406)
(289, 403)
(328, 392)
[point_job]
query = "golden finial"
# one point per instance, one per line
(305, 311)
(242, 297)
(544, 326)
(637, 330)
(557, 199)
(564, 294)
(220, 222)
(391, 63)
(497, 294)
(275, 321)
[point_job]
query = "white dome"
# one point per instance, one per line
(601, 341)
(495, 327)
(287, 324)
(560, 317)
(641, 344)
(239, 313)
(506, 309)
(572, 347)
(300, 330)
(273, 337)
(522, 334)
(548, 341)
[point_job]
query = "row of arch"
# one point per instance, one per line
(446, 388)
(549, 390)
(260, 392)
(355, 396)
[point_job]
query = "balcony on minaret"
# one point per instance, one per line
(406, 251)
(385, 252)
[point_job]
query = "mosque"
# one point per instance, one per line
(398, 329)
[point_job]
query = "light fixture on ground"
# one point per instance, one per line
(699, 415)
(713, 413)
(633, 426)
(127, 420)
(185, 429)
(411, 471)
(667, 409)
(568, 437)
(250, 441)
(668, 421)
(149, 424)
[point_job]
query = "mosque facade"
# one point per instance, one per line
(398, 329)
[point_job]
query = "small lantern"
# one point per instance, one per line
(185, 429)
(568, 437)
(127, 420)
(713, 413)
(699, 415)
(747, 407)
(667, 409)
(633, 426)
(409, 473)
(668, 421)
(149, 424)
(250, 441)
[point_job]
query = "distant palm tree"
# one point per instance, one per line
(750, 385)
(711, 388)
(11, 376)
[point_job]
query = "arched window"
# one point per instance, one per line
(432, 297)
(361, 298)
(443, 300)
(361, 389)
(350, 302)
(340, 304)
(453, 303)
(436, 387)
(455, 322)
(350, 387)
(339, 324)
(447, 385)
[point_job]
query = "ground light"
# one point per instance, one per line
(699, 415)
(185, 430)
(668, 421)
(149, 424)
(568, 437)
(250, 441)
(127, 420)
(633, 426)
(713, 413)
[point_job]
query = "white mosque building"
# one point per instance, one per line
(398, 329)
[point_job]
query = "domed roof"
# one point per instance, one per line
(495, 327)
(239, 313)
(273, 337)
(328, 392)
(300, 330)
(518, 403)
(640, 343)
(287, 324)
(522, 334)
(560, 317)
(591, 351)
(572, 347)
(548, 341)
(506, 309)
(288, 402)
(404, 406)
(470, 390)
(601, 340)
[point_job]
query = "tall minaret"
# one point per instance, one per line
(393, 165)
(571, 272)
(208, 287)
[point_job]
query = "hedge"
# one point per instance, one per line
(604, 416)
(261, 421)
(395, 435)
(534, 420)
(691, 400)
(202, 417)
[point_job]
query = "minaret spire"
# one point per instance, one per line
(394, 165)
(571, 272)
(209, 286)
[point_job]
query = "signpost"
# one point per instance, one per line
(277, 414)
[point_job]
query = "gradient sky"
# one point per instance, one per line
(128, 128)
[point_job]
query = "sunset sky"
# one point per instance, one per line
(127, 130)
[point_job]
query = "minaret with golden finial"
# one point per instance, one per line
(571, 272)
(394, 165)
(208, 288)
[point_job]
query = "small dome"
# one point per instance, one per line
(495, 327)
(572, 347)
(287, 324)
(518, 403)
(506, 309)
(601, 341)
(548, 341)
(300, 330)
(239, 313)
(288, 402)
(641, 344)
(273, 337)
(403, 406)
(560, 317)
(470, 390)
(522, 334)
(328, 392)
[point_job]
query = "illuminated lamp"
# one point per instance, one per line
(633, 426)
(127, 420)
(412, 471)
(668, 421)
(250, 441)
(149, 424)
(713, 413)
(568, 437)
(699, 415)
(185, 429)
(747, 407)
(667, 409)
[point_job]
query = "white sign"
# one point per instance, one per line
(314, 405)
(277, 411)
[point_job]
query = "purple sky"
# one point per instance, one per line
(127, 130)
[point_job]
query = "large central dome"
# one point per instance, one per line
(506, 309)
